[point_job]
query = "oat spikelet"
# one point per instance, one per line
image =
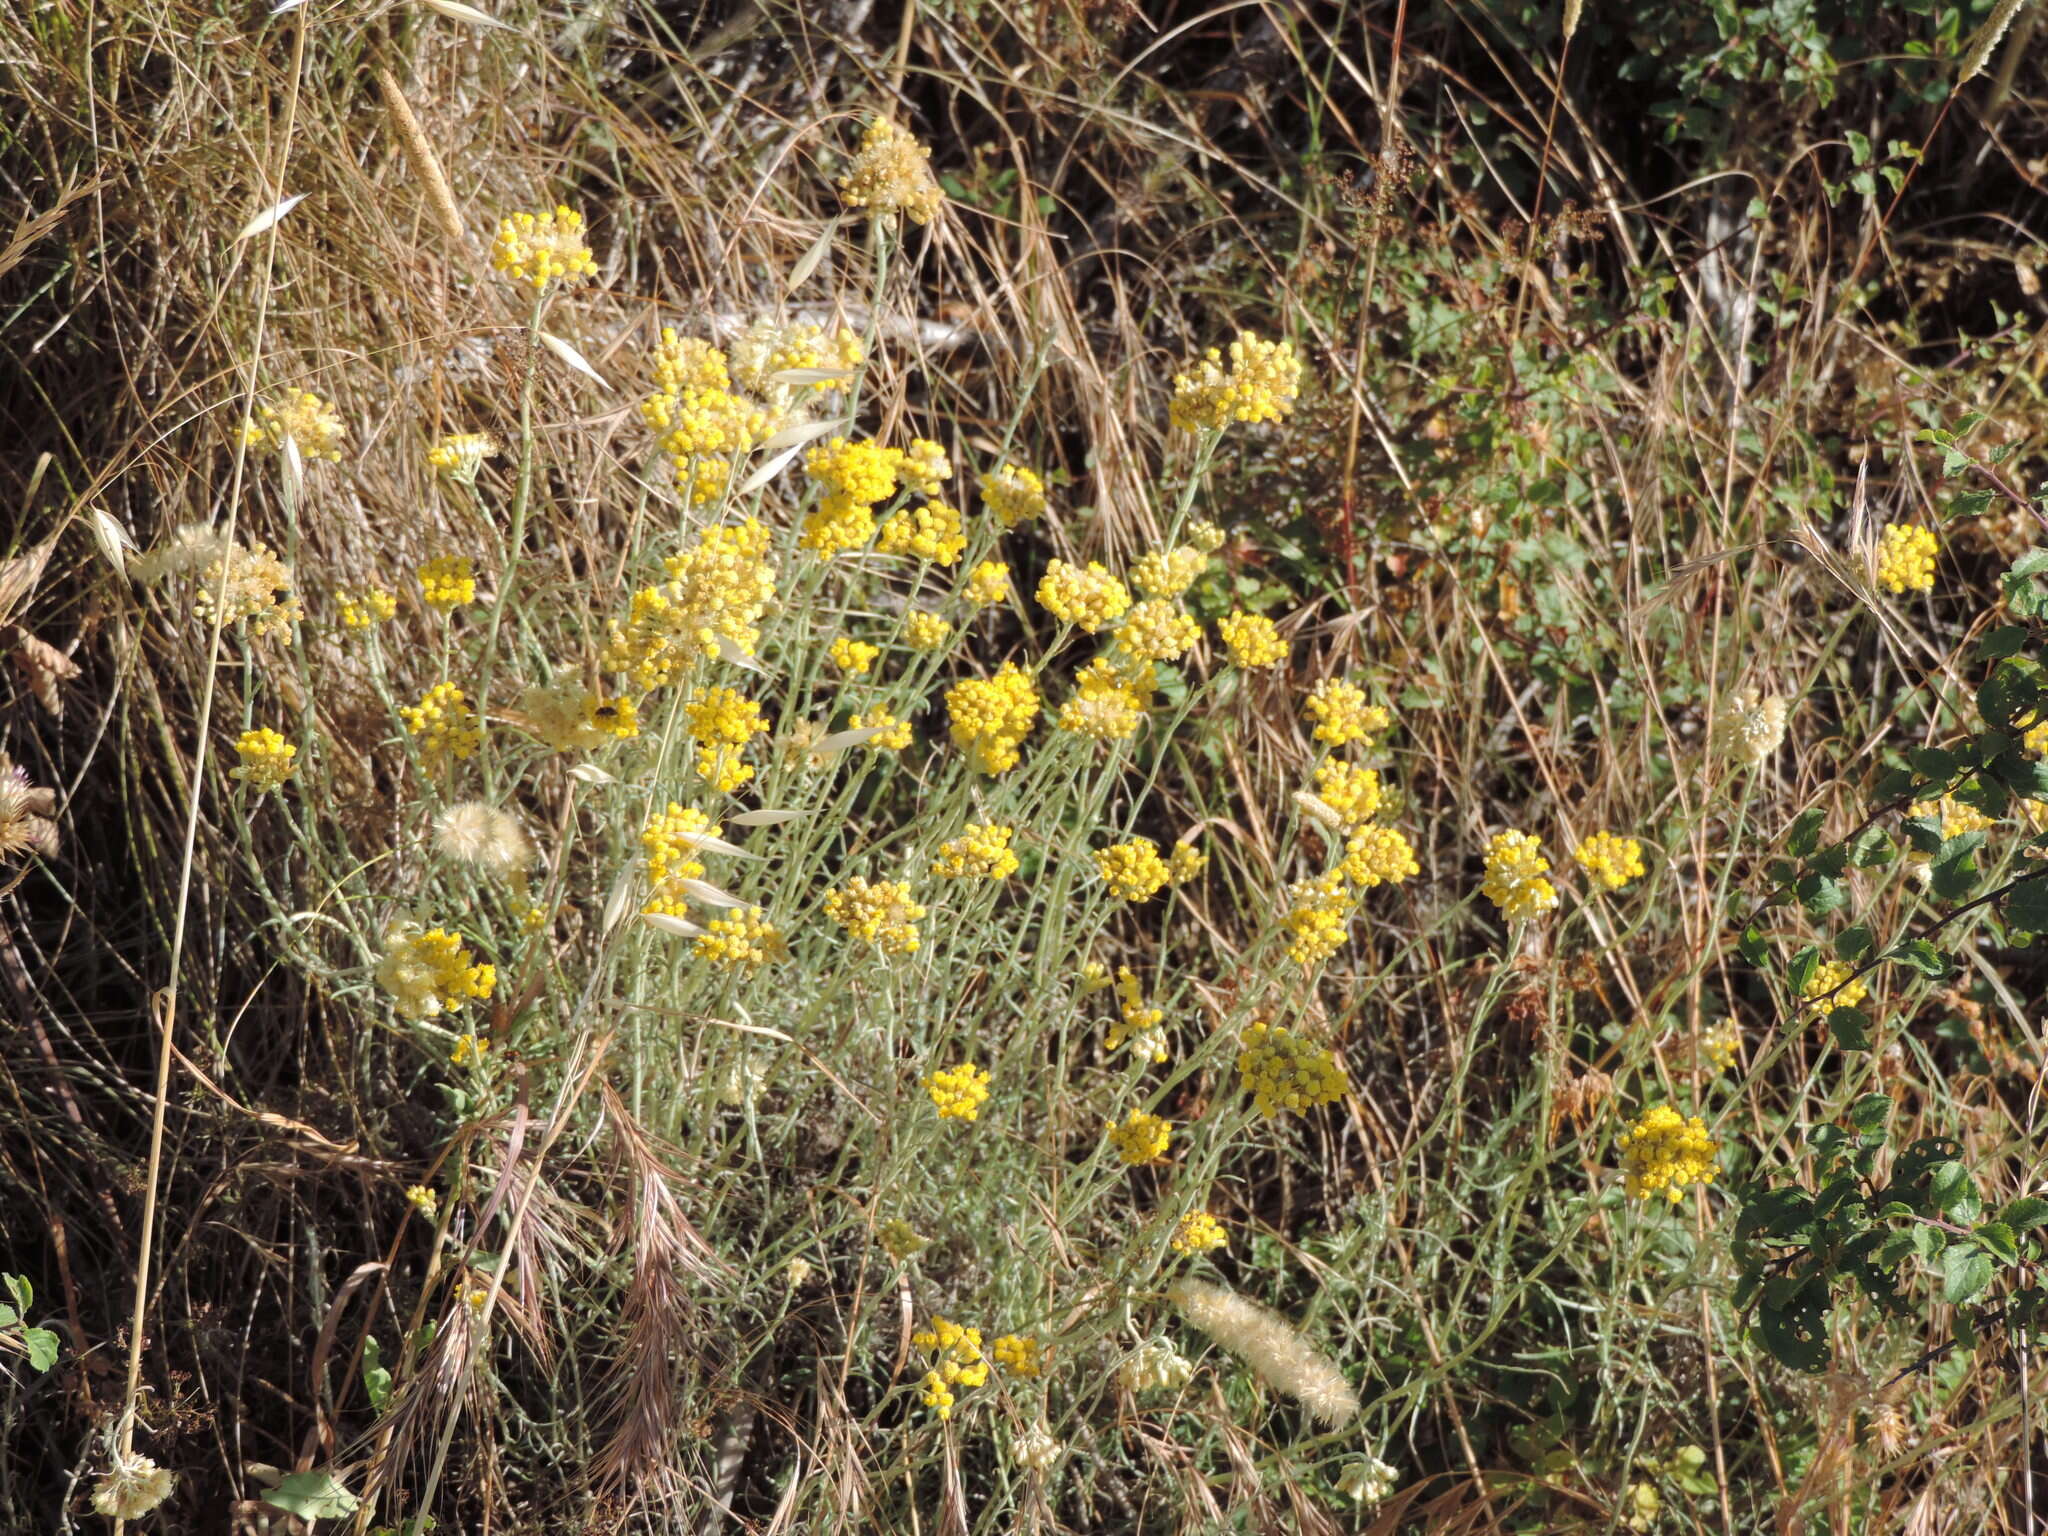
(1270, 1345)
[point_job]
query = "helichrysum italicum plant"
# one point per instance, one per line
(1138, 1024)
(980, 852)
(988, 584)
(1133, 871)
(461, 455)
(1252, 640)
(1141, 1137)
(1014, 494)
(1905, 558)
(877, 912)
(431, 972)
(1198, 1232)
(1753, 726)
(266, 759)
(1087, 597)
(958, 1092)
(1285, 1073)
(1019, 1354)
(542, 248)
(365, 609)
(1664, 1153)
(1835, 982)
(957, 1361)
(1343, 715)
(1260, 383)
(305, 421)
(1515, 871)
(1611, 860)
(892, 173)
(448, 582)
(444, 723)
(1722, 1045)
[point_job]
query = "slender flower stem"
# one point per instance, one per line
(522, 498)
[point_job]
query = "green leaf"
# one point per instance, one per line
(2025, 1213)
(1965, 1271)
(1871, 846)
(1998, 1240)
(1804, 834)
(2032, 563)
(1774, 1213)
(1870, 1112)
(1894, 783)
(1821, 894)
(2026, 906)
(1850, 1027)
(2011, 695)
(1853, 943)
(23, 1293)
(1963, 503)
(312, 1496)
(376, 1374)
(1932, 763)
(1753, 947)
(42, 1346)
(1921, 956)
(1954, 872)
(1802, 968)
(1796, 1333)
(1948, 1185)
(1928, 1240)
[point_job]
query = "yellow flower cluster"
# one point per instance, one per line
(468, 1051)
(1611, 860)
(925, 631)
(304, 420)
(1318, 916)
(1905, 557)
(980, 852)
(1663, 1154)
(447, 582)
(990, 717)
(1342, 713)
(892, 173)
(891, 734)
(1285, 1072)
(1087, 597)
(1198, 1232)
(460, 455)
(1261, 384)
(1020, 1353)
(1015, 494)
(713, 598)
(1514, 882)
(1133, 870)
(1142, 1138)
(1829, 975)
(1138, 1024)
(1354, 793)
(1168, 572)
(430, 973)
(745, 941)
(670, 843)
(1109, 700)
(722, 722)
(988, 584)
(899, 1239)
(2035, 740)
(1378, 856)
(249, 584)
(541, 248)
(879, 913)
(569, 717)
(958, 1092)
(957, 1362)
(925, 468)
(1722, 1045)
(770, 350)
(423, 1200)
(1955, 817)
(1156, 630)
(853, 657)
(688, 362)
(444, 722)
(855, 475)
(266, 759)
(362, 610)
(1252, 640)
(930, 532)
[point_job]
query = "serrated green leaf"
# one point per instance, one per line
(1932, 763)
(1954, 874)
(2026, 905)
(1948, 1185)
(2012, 694)
(1921, 956)
(1804, 834)
(1800, 972)
(1870, 1112)
(1965, 1271)
(1998, 1240)
(1821, 894)
(1853, 943)
(2025, 1213)
(1850, 1028)
(42, 1346)
(312, 1496)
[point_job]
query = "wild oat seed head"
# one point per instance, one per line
(542, 248)
(482, 835)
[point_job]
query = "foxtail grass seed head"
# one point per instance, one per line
(1275, 1350)
(430, 972)
(1753, 726)
(266, 759)
(958, 1092)
(1141, 1138)
(1664, 1153)
(1515, 883)
(485, 837)
(461, 455)
(1611, 860)
(302, 419)
(1905, 558)
(892, 173)
(541, 248)
(131, 1487)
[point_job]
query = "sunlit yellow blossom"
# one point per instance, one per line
(958, 1092)
(687, 362)
(468, 1051)
(362, 610)
(1142, 1138)
(713, 598)
(1156, 630)
(925, 631)
(1138, 1023)
(703, 422)
(1133, 870)
(1664, 1153)
(1252, 639)
(1014, 494)
(1198, 1232)
(857, 468)
(770, 348)
(423, 1200)
(989, 718)
(723, 768)
(853, 657)
(956, 1362)
(1611, 860)
(988, 584)
(1837, 977)
(879, 912)
(1261, 384)
(1094, 978)
(2035, 740)
(742, 941)
(1168, 572)
(1354, 793)
(1020, 1354)
(838, 523)
(925, 467)
(250, 585)
(891, 734)
(1284, 1072)
(1905, 557)
(1514, 882)
(304, 420)
(444, 722)
(980, 852)
(892, 173)
(459, 455)
(430, 973)
(1183, 862)
(1318, 918)
(1087, 597)
(1206, 537)
(930, 532)
(724, 716)
(1343, 714)
(1722, 1045)
(541, 248)
(1109, 701)
(1378, 856)
(448, 582)
(266, 759)
(670, 844)
(899, 1239)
